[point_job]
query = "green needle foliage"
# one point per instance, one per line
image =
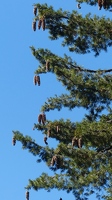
(81, 34)
(84, 149)
(95, 2)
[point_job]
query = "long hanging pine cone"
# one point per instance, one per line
(43, 118)
(45, 140)
(79, 143)
(43, 24)
(57, 129)
(99, 4)
(54, 160)
(27, 195)
(35, 10)
(40, 118)
(35, 80)
(39, 23)
(74, 141)
(47, 65)
(13, 141)
(38, 80)
(104, 4)
(34, 25)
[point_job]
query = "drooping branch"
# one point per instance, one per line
(42, 55)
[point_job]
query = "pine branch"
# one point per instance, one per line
(43, 55)
(104, 149)
(91, 71)
(82, 35)
(95, 2)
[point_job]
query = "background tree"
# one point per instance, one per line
(83, 152)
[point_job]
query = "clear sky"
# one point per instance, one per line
(20, 100)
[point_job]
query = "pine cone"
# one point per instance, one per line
(45, 140)
(74, 141)
(43, 24)
(100, 4)
(52, 161)
(55, 159)
(35, 10)
(79, 143)
(40, 118)
(43, 118)
(35, 80)
(13, 141)
(39, 24)
(57, 129)
(38, 80)
(104, 4)
(47, 65)
(27, 195)
(34, 25)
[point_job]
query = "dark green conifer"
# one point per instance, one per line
(84, 150)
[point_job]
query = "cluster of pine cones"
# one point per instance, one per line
(77, 142)
(41, 22)
(49, 134)
(102, 3)
(42, 118)
(36, 80)
(56, 161)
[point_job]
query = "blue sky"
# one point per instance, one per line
(20, 100)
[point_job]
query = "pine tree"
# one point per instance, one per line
(84, 149)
